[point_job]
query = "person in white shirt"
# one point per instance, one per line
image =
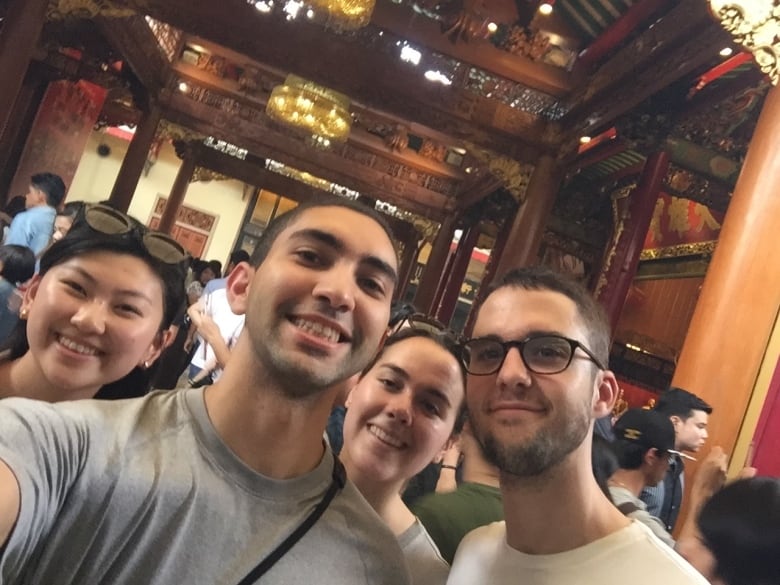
(538, 380)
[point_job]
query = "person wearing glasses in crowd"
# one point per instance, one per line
(538, 378)
(403, 410)
(99, 307)
(231, 483)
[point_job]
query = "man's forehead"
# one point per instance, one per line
(348, 226)
(515, 310)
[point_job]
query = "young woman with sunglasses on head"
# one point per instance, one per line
(100, 306)
(401, 413)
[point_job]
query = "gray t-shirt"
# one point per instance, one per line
(422, 557)
(145, 492)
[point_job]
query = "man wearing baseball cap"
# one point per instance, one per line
(644, 442)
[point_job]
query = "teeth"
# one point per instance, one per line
(77, 347)
(318, 329)
(384, 437)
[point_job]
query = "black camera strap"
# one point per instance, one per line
(339, 480)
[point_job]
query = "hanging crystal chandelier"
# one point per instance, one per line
(320, 112)
(345, 14)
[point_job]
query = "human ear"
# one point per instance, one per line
(605, 393)
(239, 282)
(29, 296)
(161, 340)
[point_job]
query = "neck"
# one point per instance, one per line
(631, 479)
(383, 496)
(24, 378)
(559, 510)
(249, 409)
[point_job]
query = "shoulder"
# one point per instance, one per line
(488, 538)
(359, 525)
(423, 558)
(637, 551)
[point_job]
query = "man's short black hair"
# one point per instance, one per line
(681, 403)
(51, 185)
(593, 317)
(238, 256)
(281, 222)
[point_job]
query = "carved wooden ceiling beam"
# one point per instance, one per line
(365, 120)
(134, 40)
(363, 73)
(264, 140)
(668, 68)
(684, 40)
(403, 21)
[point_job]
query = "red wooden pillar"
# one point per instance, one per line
(18, 38)
(490, 273)
(457, 272)
(178, 192)
(623, 258)
(434, 267)
(525, 235)
(133, 163)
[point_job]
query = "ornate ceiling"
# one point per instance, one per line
(533, 85)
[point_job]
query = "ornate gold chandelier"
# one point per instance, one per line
(754, 24)
(319, 111)
(345, 14)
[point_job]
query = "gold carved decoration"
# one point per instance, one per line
(754, 24)
(204, 175)
(697, 249)
(620, 214)
(61, 9)
(169, 131)
(398, 138)
(514, 174)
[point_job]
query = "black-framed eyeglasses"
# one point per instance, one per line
(541, 354)
(107, 220)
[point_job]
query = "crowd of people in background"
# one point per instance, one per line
(291, 423)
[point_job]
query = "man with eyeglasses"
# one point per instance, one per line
(537, 380)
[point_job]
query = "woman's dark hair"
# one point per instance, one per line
(740, 525)
(83, 239)
(18, 263)
(216, 267)
(446, 342)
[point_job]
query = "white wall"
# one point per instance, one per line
(95, 177)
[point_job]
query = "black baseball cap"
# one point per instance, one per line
(648, 428)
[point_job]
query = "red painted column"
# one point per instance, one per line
(490, 272)
(18, 38)
(434, 267)
(623, 258)
(178, 192)
(408, 260)
(457, 272)
(525, 235)
(740, 297)
(133, 163)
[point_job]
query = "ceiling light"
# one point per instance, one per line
(432, 75)
(183, 86)
(492, 27)
(545, 8)
(264, 5)
(309, 13)
(410, 55)
(585, 139)
(726, 52)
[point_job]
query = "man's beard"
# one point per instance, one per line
(546, 449)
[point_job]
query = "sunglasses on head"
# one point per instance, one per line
(107, 220)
